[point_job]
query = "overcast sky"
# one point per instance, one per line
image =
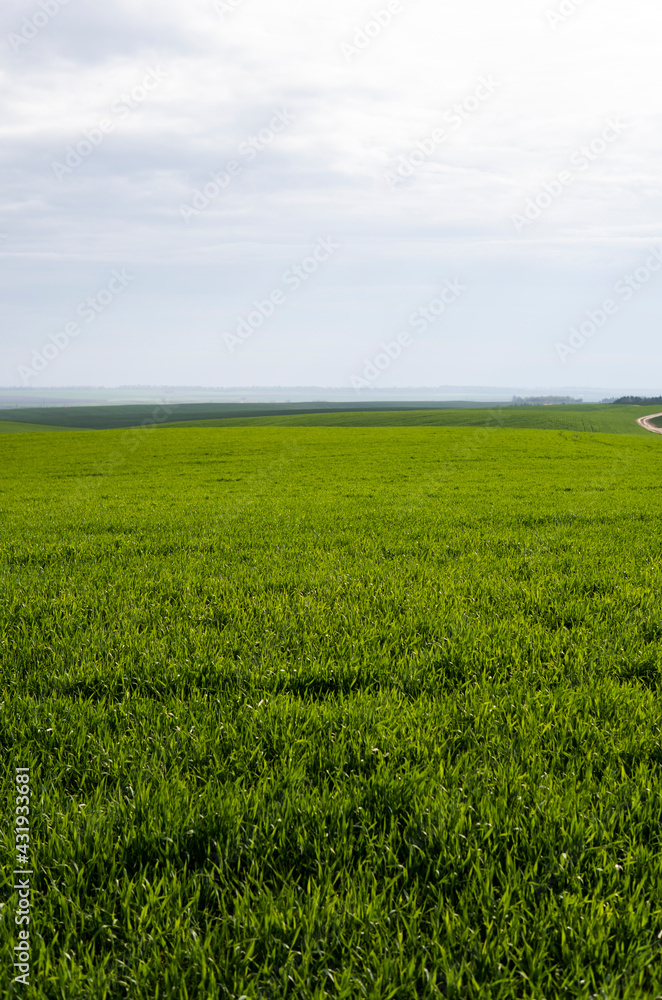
(247, 192)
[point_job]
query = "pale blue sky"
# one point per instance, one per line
(315, 176)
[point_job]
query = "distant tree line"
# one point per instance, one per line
(543, 400)
(637, 400)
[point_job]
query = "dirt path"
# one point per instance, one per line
(645, 422)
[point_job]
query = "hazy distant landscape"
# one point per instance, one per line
(592, 417)
(446, 395)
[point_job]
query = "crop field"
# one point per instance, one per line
(18, 427)
(113, 417)
(334, 712)
(593, 418)
(590, 418)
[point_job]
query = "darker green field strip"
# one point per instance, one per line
(337, 712)
(115, 416)
(594, 418)
(590, 418)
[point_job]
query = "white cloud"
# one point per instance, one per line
(222, 80)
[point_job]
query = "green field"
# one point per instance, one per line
(592, 418)
(16, 427)
(314, 712)
(595, 418)
(109, 417)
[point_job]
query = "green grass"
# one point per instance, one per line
(16, 427)
(352, 712)
(589, 418)
(109, 417)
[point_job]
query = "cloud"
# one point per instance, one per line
(130, 155)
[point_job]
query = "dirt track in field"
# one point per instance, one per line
(645, 422)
